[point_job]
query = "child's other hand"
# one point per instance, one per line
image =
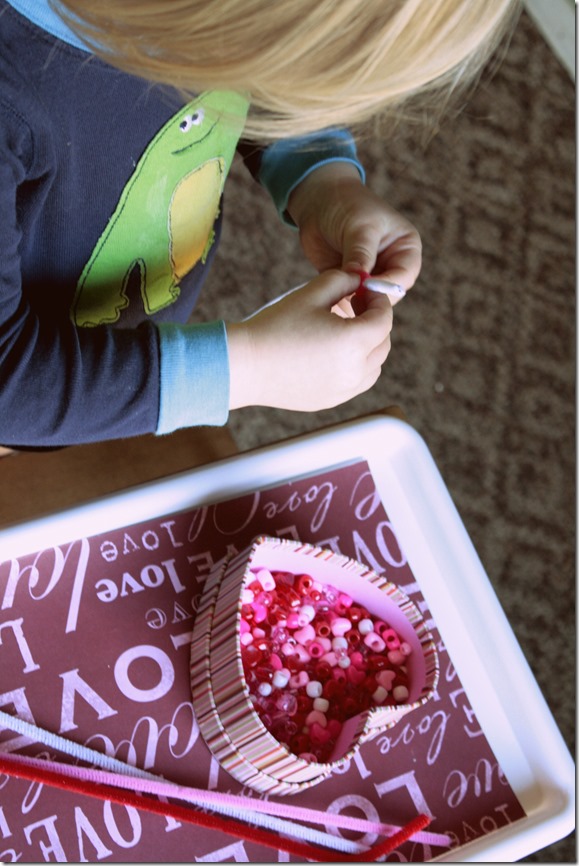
(297, 354)
(343, 224)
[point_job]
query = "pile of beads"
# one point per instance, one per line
(313, 658)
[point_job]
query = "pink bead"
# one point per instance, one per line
(299, 680)
(385, 679)
(316, 650)
(258, 633)
(331, 658)
(345, 599)
(246, 596)
(302, 654)
(287, 703)
(374, 642)
(405, 649)
(244, 626)
(275, 662)
(316, 717)
(305, 635)
(397, 658)
(340, 626)
(358, 660)
(246, 638)
(288, 648)
(293, 620)
(259, 612)
(389, 636)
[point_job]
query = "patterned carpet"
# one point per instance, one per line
(483, 357)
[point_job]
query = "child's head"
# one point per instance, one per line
(307, 64)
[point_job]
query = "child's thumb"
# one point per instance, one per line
(360, 249)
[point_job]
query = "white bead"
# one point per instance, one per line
(400, 694)
(380, 695)
(281, 678)
(314, 689)
(365, 626)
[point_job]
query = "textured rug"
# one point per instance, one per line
(483, 349)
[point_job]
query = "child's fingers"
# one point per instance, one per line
(373, 315)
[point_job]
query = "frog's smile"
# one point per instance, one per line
(197, 141)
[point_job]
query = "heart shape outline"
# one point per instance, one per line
(229, 725)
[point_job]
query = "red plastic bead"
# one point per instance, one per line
(304, 583)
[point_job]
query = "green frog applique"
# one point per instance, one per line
(163, 222)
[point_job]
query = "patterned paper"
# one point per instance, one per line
(94, 645)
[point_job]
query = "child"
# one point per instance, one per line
(110, 184)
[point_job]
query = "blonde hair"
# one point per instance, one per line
(307, 64)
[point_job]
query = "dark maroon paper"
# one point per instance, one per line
(94, 645)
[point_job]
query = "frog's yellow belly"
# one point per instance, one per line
(192, 213)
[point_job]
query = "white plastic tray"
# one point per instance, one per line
(502, 689)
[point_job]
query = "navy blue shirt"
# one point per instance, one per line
(75, 135)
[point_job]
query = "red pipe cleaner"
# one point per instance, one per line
(230, 826)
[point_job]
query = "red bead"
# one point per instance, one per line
(304, 583)
(355, 614)
(289, 596)
(377, 662)
(247, 613)
(349, 706)
(331, 689)
(322, 670)
(263, 673)
(292, 663)
(318, 734)
(354, 638)
(355, 675)
(300, 743)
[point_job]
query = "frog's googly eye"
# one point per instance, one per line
(191, 120)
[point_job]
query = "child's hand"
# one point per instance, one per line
(297, 354)
(342, 224)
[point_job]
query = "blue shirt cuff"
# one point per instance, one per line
(194, 376)
(286, 163)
